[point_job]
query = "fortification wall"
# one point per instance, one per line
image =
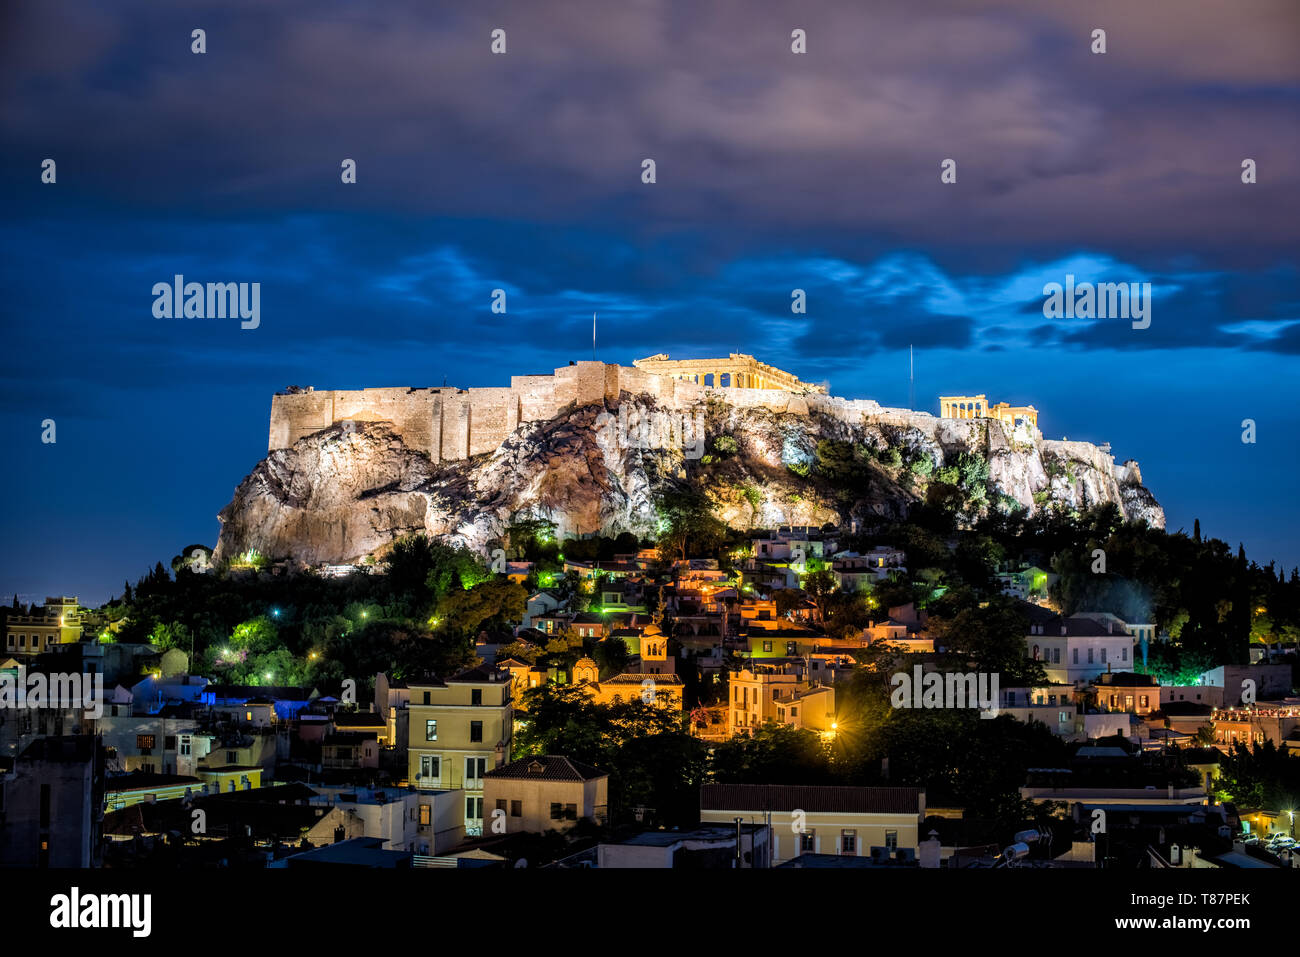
(451, 424)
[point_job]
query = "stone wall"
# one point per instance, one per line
(450, 424)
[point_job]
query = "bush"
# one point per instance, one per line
(891, 457)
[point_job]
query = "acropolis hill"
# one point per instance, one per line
(348, 471)
(448, 424)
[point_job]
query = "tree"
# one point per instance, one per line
(688, 525)
(820, 585)
(168, 635)
(611, 656)
(466, 610)
(773, 754)
(257, 635)
(787, 600)
(991, 637)
(409, 562)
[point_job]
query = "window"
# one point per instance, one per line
(767, 646)
(1103, 656)
(425, 815)
(476, 730)
(473, 809)
(1089, 656)
(1076, 656)
(570, 812)
(791, 649)
(169, 742)
(232, 757)
(185, 745)
(794, 712)
(430, 766)
(431, 730)
(891, 840)
(556, 811)
(1146, 701)
(474, 768)
(808, 842)
(1123, 654)
(848, 841)
(501, 804)
(516, 808)
(1056, 656)
(145, 742)
(426, 698)
(476, 696)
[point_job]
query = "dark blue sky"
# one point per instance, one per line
(775, 171)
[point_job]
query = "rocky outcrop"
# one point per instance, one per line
(347, 491)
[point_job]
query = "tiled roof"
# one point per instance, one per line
(548, 767)
(635, 678)
(787, 797)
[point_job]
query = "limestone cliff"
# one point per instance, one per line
(348, 490)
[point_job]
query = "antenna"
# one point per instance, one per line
(593, 337)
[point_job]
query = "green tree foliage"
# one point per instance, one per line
(611, 656)
(774, 754)
(652, 762)
(819, 586)
(168, 635)
(988, 637)
(466, 610)
(1260, 776)
(256, 636)
(688, 525)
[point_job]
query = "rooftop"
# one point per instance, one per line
(786, 797)
(548, 767)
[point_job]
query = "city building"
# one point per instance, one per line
(546, 793)
(51, 804)
(807, 819)
(55, 623)
(458, 730)
(1076, 650)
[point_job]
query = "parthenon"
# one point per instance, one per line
(737, 371)
(977, 407)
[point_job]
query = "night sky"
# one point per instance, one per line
(522, 171)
